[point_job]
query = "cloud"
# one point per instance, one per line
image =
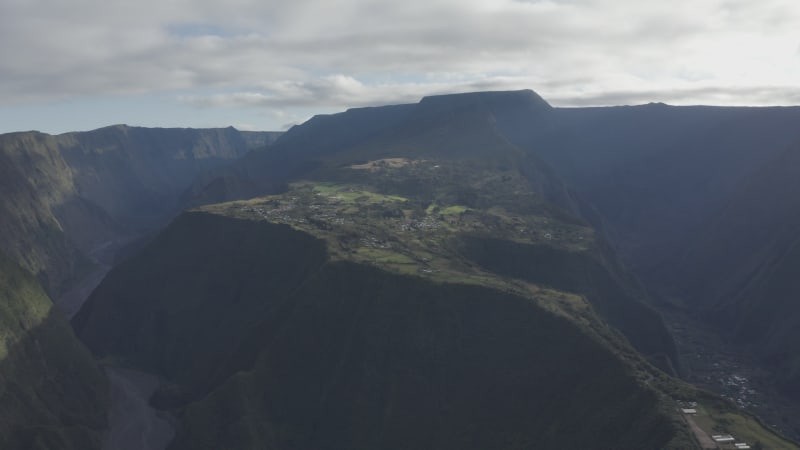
(338, 90)
(314, 53)
(708, 95)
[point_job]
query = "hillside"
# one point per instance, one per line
(477, 166)
(52, 393)
(279, 332)
(67, 199)
(696, 200)
(698, 203)
(655, 173)
(67, 203)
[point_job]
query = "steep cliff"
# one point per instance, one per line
(52, 393)
(66, 198)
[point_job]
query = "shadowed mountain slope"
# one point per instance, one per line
(655, 173)
(52, 393)
(66, 203)
(700, 203)
(272, 341)
(67, 198)
(742, 268)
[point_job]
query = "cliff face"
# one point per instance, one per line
(587, 273)
(65, 202)
(52, 393)
(742, 268)
(271, 341)
(64, 198)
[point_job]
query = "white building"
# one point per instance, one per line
(723, 438)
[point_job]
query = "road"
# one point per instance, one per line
(134, 425)
(705, 440)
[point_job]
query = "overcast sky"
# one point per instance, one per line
(266, 64)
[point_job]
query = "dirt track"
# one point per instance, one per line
(705, 440)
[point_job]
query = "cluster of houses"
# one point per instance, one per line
(690, 408)
(727, 439)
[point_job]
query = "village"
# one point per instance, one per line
(699, 422)
(408, 235)
(726, 370)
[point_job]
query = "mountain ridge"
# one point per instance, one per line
(66, 195)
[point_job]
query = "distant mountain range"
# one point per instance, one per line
(463, 272)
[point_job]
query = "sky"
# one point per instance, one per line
(267, 64)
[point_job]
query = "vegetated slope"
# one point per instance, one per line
(52, 393)
(286, 334)
(64, 197)
(465, 128)
(742, 267)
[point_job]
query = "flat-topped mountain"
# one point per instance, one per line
(469, 142)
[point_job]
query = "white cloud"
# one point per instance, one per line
(315, 53)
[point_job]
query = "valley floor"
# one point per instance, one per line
(711, 363)
(134, 424)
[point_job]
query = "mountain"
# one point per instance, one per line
(414, 280)
(52, 393)
(68, 198)
(467, 128)
(67, 203)
(279, 333)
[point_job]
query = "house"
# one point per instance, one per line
(723, 438)
(689, 410)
